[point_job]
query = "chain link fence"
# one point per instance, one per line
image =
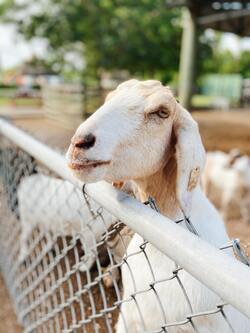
(62, 253)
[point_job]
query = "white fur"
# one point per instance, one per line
(137, 142)
(57, 206)
(210, 227)
(228, 185)
(113, 137)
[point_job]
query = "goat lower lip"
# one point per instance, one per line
(77, 166)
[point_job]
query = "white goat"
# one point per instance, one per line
(141, 133)
(57, 206)
(226, 181)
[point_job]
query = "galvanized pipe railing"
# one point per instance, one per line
(223, 274)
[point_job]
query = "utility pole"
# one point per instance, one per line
(187, 58)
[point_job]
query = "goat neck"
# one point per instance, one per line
(162, 187)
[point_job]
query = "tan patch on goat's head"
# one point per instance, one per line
(193, 178)
(125, 85)
(161, 100)
(158, 97)
(147, 88)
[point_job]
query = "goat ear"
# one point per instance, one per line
(190, 156)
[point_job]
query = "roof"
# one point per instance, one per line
(226, 16)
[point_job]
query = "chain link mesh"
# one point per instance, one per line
(62, 253)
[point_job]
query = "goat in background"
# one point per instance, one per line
(226, 181)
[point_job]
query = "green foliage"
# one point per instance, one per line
(228, 63)
(141, 36)
(219, 61)
(222, 62)
(244, 64)
(5, 5)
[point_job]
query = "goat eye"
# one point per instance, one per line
(162, 113)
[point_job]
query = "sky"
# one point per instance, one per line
(14, 50)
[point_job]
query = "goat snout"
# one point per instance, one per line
(85, 143)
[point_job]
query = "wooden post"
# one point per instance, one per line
(188, 58)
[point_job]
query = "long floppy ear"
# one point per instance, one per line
(190, 156)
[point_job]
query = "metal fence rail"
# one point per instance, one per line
(69, 104)
(62, 249)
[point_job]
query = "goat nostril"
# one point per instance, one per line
(87, 142)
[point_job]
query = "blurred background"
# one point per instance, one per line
(59, 59)
(85, 48)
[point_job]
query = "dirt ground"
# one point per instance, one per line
(225, 130)
(7, 316)
(219, 130)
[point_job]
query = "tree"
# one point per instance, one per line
(140, 36)
(5, 5)
(244, 64)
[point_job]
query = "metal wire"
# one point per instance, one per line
(62, 254)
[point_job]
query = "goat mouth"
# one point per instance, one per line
(87, 165)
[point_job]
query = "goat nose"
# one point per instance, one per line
(86, 142)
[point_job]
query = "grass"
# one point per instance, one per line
(202, 101)
(7, 98)
(5, 101)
